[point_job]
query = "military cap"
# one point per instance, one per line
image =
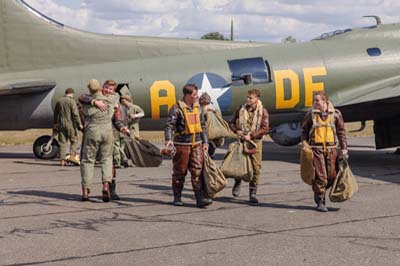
(126, 97)
(205, 98)
(93, 86)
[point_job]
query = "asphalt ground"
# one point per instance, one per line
(43, 221)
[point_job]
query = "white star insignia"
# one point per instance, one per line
(214, 93)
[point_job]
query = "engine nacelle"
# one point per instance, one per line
(287, 134)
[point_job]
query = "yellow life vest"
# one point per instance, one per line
(192, 120)
(323, 131)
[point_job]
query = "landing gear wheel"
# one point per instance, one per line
(39, 148)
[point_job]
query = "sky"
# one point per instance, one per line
(254, 20)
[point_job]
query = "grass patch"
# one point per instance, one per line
(27, 137)
(22, 136)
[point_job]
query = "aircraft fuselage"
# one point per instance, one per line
(293, 72)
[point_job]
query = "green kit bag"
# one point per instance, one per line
(236, 164)
(217, 127)
(345, 184)
(213, 178)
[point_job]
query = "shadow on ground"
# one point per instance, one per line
(16, 155)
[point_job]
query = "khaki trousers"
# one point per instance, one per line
(64, 135)
(97, 142)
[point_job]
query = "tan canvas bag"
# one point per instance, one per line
(214, 179)
(236, 164)
(345, 184)
(306, 163)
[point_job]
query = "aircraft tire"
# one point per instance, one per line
(287, 134)
(40, 144)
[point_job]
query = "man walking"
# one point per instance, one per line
(185, 129)
(323, 128)
(66, 122)
(250, 122)
(208, 110)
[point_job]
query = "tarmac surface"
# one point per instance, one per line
(43, 221)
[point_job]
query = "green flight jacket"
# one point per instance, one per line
(66, 114)
(133, 124)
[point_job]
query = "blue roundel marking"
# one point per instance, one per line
(216, 87)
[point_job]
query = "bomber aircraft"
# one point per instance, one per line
(40, 58)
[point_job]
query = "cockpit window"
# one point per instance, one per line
(331, 34)
(256, 68)
(375, 51)
(40, 15)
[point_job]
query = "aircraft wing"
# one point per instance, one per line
(377, 100)
(25, 87)
(375, 91)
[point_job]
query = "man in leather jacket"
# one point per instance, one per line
(185, 131)
(250, 122)
(323, 129)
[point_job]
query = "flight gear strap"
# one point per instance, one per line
(318, 125)
(250, 121)
(192, 121)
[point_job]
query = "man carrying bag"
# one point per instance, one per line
(323, 129)
(250, 122)
(345, 184)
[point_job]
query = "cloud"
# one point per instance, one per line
(77, 18)
(253, 19)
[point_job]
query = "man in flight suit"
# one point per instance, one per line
(185, 129)
(119, 156)
(133, 115)
(322, 128)
(66, 122)
(101, 114)
(250, 122)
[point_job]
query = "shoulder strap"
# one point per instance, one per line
(314, 124)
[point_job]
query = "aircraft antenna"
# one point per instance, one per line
(377, 18)
(231, 29)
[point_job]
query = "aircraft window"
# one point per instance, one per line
(374, 51)
(331, 34)
(123, 89)
(249, 70)
(269, 71)
(40, 15)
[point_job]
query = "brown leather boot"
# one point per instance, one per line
(201, 202)
(85, 194)
(113, 192)
(252, 195)
(106, 192)
(236, 188)
(320, 200)
(74, 159)
(177, 190)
